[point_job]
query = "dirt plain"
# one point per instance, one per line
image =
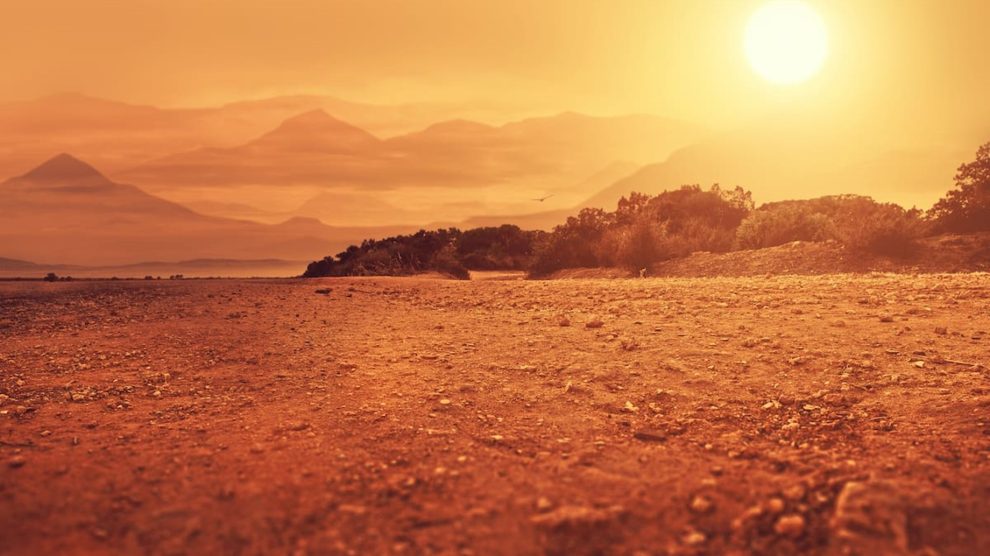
(836, 414)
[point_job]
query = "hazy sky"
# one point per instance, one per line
(916, 65)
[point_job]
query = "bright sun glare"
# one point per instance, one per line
(786, 42)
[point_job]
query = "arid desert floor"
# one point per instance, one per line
(773, 415)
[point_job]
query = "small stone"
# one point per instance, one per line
(564, 321)
(701, 505)
(17, 461)
(296, 425)
(650, 435)
(871, 516)
(794, 493)
(353, 509)
(543, 504)
(791, 525)
(941, 330)
(445, 401)
(694, 538)
(775, 505)
(594, 324)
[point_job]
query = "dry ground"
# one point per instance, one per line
(820, 415)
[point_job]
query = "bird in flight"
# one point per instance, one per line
(541, 199)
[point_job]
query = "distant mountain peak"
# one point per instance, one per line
(64, 167)
(317, 131)
(317, 120)
(314, 116)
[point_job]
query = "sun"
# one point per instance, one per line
(786, 42)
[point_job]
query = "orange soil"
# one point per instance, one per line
(818, 415)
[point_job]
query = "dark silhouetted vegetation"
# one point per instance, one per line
(644, 230)
(449, 251)
(967, 207)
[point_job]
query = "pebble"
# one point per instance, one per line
(791, 525)
(701, 505)
(17, 461)
(650, 435)
(594, 324)
(694, 538)
(775, 505)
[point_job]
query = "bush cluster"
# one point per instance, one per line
(644, 229)
(449, 251)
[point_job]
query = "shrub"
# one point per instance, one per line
(643, 229)
(450, 251)
(882, 229)
(779, 224)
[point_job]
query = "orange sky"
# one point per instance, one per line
(915, 68)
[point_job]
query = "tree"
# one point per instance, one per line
(967, 207)
(51, 277)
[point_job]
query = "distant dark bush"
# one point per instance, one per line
(967, 207)
(51, 277)
(449, 251)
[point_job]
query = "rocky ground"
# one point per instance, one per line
(829, 414)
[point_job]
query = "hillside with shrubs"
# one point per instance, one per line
(661, 233)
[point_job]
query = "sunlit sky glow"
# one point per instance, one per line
(903, 65)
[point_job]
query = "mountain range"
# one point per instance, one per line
(285, 178)
(66, 211)
(451, 170)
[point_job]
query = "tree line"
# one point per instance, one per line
(645, 229)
